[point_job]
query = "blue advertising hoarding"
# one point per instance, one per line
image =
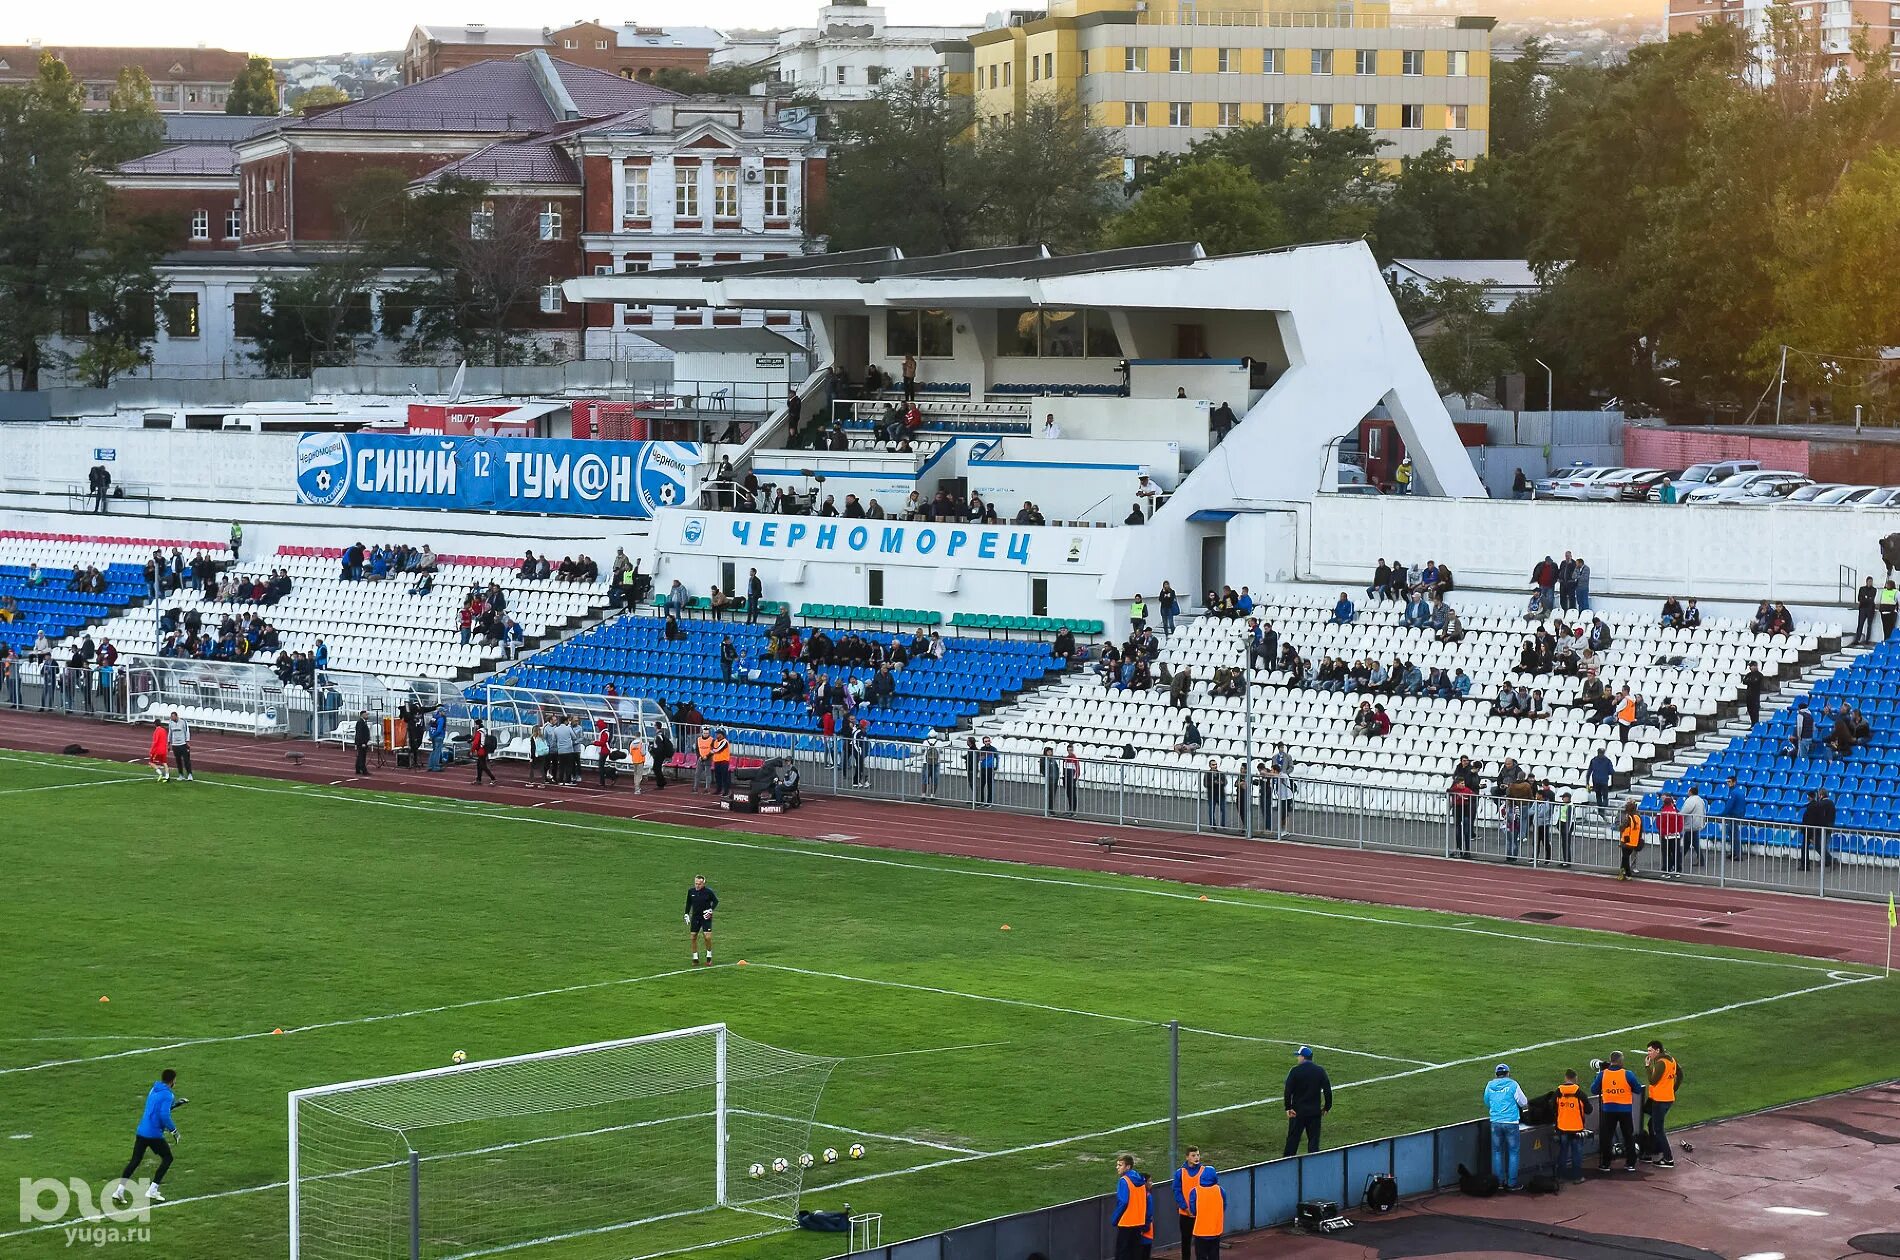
(544, 476)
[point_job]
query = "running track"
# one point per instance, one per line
(1854, 932)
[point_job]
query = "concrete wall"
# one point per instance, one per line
(1635, 550)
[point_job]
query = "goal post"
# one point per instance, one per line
(690, 1135)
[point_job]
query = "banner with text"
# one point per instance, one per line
(546, 476)
(1036, 548)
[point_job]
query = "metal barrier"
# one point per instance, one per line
(1258, 1196)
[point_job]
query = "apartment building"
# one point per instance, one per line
(1838, 22)
(184, 80)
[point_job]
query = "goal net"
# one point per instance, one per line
(570, 1152)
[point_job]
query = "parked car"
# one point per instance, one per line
(1884, 496)
(1840, 495)
(1358, 488)
(1811, 494)
(1544, 487)
(1617, 485)
(1696, 476)
(1641, 487)
(1578, 485)
(1751, 487)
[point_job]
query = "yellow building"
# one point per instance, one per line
(1167, 75)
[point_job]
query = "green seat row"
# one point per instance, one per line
(872, 616)
(1030, 625)
(703, 603)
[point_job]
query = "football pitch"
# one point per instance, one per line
(999, 1029)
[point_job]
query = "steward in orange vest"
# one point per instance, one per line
(1186, 1177)
(1134, 1212)
(1209, 1205)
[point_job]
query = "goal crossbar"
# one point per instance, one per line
(718, 1033)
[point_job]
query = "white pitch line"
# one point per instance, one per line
(854, 1132)
(345, 1023)
(1493, 1056)
(900, 1054)
(61, 787)
(799, 849)
(1076, 1010)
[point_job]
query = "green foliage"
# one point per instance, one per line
(1214, 202)
(120, 293)
(913, 170)
(254, 91)
(715, 81)
(322, 94)
(477, 286)
(1325, 182)
(130, 125)
(52, 201)
(1460, 342)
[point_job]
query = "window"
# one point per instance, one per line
(1227, 61)
(1411, 117)
(636, 193)
(1035, 69)
(1412, 62)
(75, 320)
(200, 225)
(1325, 116)
(1366, 116)
(1275, 114)
(1008, 67)
(1270, 61)
(1365, 61)
(1458, 63)
(247, 316)
(725, 192)
(993, 76)
(1322, 61)
(841, 76)
(233, 224)
(1178, 62)
(1134, 60)
(568, 43)
(686, 193)
(1135, 114)
(551, 297)
(1229, 114)
(1048, 65)
(926, 334)
(1085, 61)
(358, 315)
(1056, 335)
(181, 316)
(874, 75)
(550, 221)
(1178, 113)
(1457, 117)
(600, 44)
(481, 221)
(778, 192)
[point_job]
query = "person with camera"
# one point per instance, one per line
(1615, 1089)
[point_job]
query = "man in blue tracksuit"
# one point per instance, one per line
(438, 735)
(154, 1124)
(1505, 1102)
(1734, 810)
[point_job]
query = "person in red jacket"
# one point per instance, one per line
(161, 751)
(1669, 831)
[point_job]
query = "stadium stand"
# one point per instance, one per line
(378, 626)
(51, 607)
(1865, 782)
(1699, 669)
(632, 655)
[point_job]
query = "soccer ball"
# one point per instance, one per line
(323, 481)
(460, 1056)
(806, 1161)
(857, 1150)
(779, 1165)
(831, 1154)
(757, 1171)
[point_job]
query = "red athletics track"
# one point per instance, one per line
(1854, 932)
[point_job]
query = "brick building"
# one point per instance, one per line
(608, 173)
(184, 80)
(629, 50)
(1835, 23)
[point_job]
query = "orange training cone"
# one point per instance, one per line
(1006, 927)
(276, 1032)
(104, 998)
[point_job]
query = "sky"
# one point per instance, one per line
(334, 26)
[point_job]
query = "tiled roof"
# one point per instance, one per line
(526, 36)
(511, 162)
(212, 128)
(497, 96)
(194, 65)
(185, 159)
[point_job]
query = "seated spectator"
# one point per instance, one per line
(1533, 706)
(1453, 629)
(853, 510)
(1411, 682)
(1191, 740)
(1506, 704)
(1178, 687)
(874, 512)
(1378, 678)
(1671, 612)
(1064, 647)
(1535, 609)
(1381, 581)
(717, 601)
(528, 567)
(1598, 637)
(672, 631)
(1438, 684)
(1418, 610)
(1135, 516)
(1461, 684)
(33, 575)
(1691, 616)
(1243, 603)
(1343, 611)
(1363, 721)
(379, 564)
(423, 584)
(1666, 716)
(1783, 622)
(829, 507)
(1143, 678)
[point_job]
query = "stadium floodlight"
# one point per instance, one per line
(593, 1141)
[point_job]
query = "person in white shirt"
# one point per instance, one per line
(1050, 429)
(1146, 492)
(1695, 816)
(181, 745)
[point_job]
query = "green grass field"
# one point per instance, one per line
(985, 1070)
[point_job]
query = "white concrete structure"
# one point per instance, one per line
(852, 51)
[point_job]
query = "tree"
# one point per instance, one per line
(1325, 182)
(131, 125)
(52, 156)
(906, 172)
(480, 281)
(1214, 202)
(1438, 208)
(120, 293)
(714, 81)
(254, 91)
(1461, 347)
(322, 94)
(1046, 177)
